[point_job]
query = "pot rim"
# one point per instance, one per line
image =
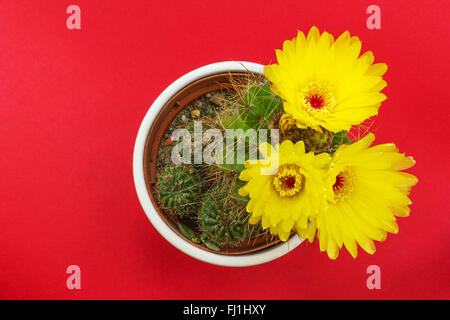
(248, 259)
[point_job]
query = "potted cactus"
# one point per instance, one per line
(197, 207)
(235, 160)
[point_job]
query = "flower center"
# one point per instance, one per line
(344, 185)
(316, 101)
(289, 180)
(317, 98)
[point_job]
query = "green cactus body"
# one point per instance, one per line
(216, 223)
(339, 139)
(179, 189)
(258, 105)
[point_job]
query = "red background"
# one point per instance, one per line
(71, 103)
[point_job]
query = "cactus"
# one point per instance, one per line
(317, 142)
(217, 222)
(314, 141)
(257, 106)
(179, 189)
(340, 138)
(187, 232)
(252, 107)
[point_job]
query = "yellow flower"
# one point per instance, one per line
(285, 188)
(326, 83)
(365, 193)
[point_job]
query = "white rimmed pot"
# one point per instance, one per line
(242, 260)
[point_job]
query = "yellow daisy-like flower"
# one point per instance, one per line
(366, 192)
(285, 188)
(326, 83)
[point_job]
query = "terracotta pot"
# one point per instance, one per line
(171, 101)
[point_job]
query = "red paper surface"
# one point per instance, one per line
(71, 102)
